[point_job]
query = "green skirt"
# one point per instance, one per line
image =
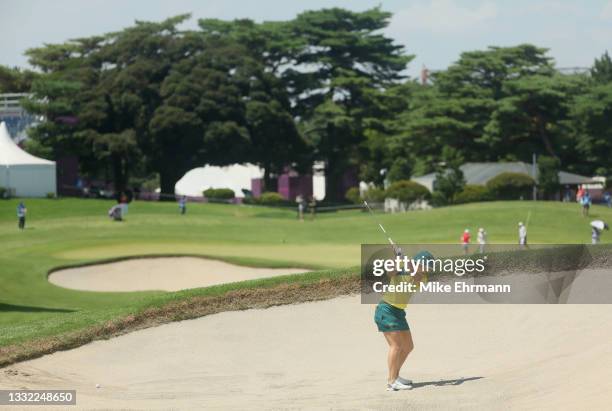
(389, 318)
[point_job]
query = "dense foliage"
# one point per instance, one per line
(407, 191)
(511, 186)
(327, 86)
(472, 193)
(219, 193)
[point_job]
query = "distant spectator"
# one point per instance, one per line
(300, 207)
(607, 199)
(482, 239)
(21, 215)
(313, 207)
(465, 240)
(183, 205)
(522, 235)
(585, 201)
(567, 196)
(580, 193)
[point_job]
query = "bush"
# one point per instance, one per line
(407, 191)
(473, 194)
(353, 195)
(3, 193)
(50, 195)
(511, 186)
(374, 195)
(219, 193)
(273, 199)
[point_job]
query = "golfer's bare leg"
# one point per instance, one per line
(400, 345)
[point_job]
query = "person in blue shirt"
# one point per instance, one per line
(21, 215)
(183, 205)
(585, 201)
(608, 199)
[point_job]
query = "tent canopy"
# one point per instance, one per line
(11, 154)
(22, 173)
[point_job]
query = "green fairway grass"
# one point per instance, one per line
(72, 231)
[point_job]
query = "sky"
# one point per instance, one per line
(436, 31)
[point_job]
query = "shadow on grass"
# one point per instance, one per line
(30, 309)
(443, 383)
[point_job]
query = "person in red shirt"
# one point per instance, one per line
(465, 240)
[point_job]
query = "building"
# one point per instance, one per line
(16, 118)
(481, 173)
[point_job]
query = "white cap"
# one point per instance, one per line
(520, 224)
(466, 230)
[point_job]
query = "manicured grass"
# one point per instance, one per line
(70, 231)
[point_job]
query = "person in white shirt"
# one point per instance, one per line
(522, 235)
(482, 239)
(21, 215)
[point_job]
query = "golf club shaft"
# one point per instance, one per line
(379, 224)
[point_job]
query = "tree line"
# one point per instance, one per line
(325, 86)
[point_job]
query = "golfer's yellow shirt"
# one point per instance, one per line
(400, 299)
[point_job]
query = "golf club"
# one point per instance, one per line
(379, 224)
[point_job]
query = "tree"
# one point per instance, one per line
(591, 116)
(407, 191)
(16, 80)
(457, 108)
(449, 177)
(601, 72)
(339, 71)
(548, 175)
(98, 94)
(276, 142)
(533, 117)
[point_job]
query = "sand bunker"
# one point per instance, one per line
(164, 273)
(328, 355)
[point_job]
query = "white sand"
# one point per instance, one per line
(328, 355)
(167, 274)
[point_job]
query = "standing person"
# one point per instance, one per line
(585, 201)
(595, 235)
(465, 240)
(390, 318)
(608, 199)
(21, 215)
(522, 235)
(482, 239)
(579, 194)
(183, 205)
(313, 207)
(300, 203)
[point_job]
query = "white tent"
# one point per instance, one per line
(21, 173)
(236, 177)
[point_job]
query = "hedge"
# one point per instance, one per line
(472, 194)
(407, 191)
(511, 186)
(219, 193)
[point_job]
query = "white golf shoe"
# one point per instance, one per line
(404, 381)
(398, 385)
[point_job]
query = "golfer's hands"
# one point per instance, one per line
(398, 251)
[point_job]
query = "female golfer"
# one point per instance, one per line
(390, 318)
